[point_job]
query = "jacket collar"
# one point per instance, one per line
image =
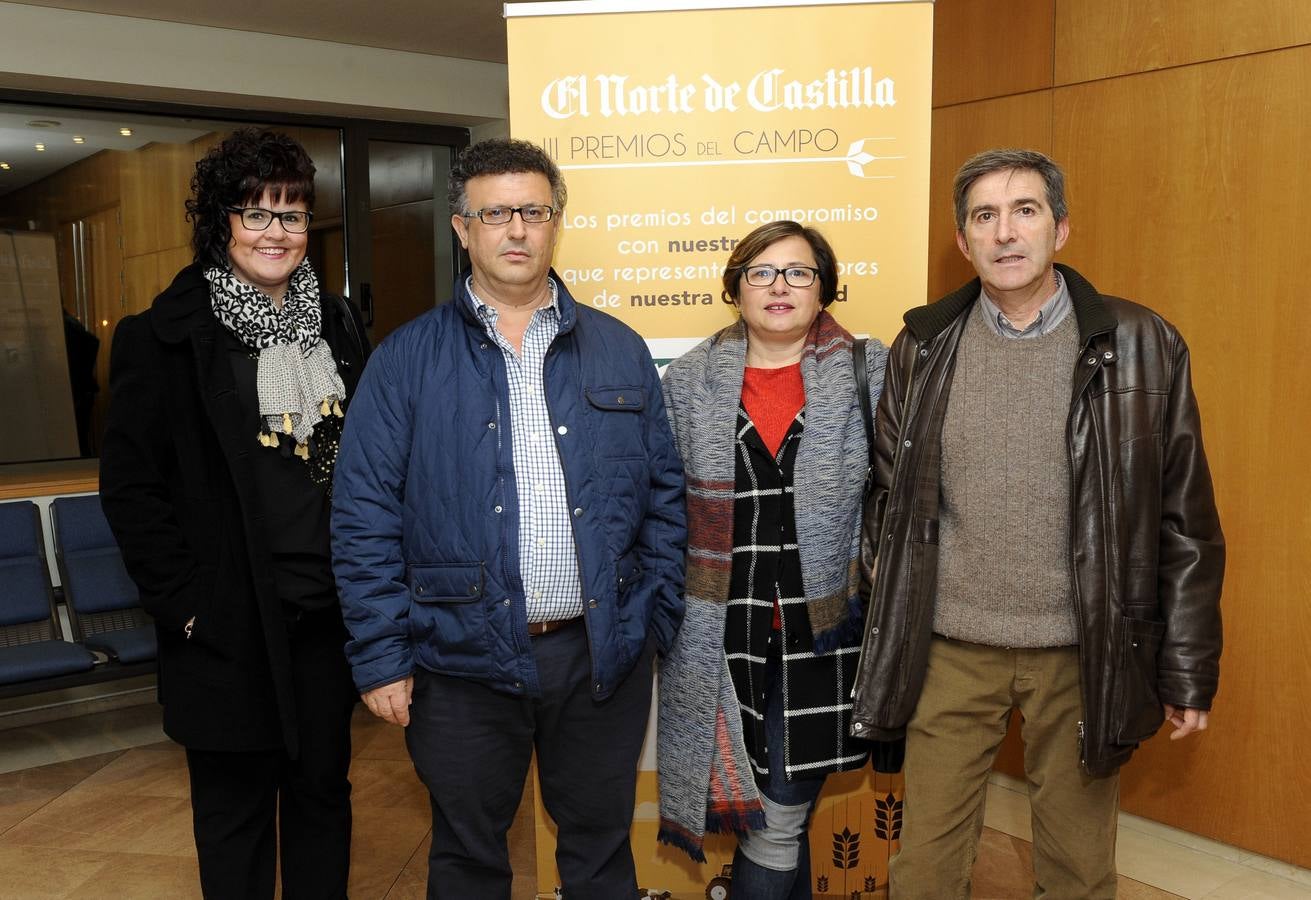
(465, 303)
(1090, 311)
(183, 306)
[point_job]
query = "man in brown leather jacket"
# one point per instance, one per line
(1047, 540)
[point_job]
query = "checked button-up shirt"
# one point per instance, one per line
(548, 559)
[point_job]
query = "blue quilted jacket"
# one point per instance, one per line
(425, 509)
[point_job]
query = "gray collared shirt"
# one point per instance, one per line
(1052, 313)
(548, 559)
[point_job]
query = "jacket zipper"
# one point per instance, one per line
(1074, 571)
(920, 351)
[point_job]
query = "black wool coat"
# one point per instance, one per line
(178, 488)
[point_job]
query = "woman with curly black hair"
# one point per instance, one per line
(226, 406)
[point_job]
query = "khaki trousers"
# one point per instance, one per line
(951, 743)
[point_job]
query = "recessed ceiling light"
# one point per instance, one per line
(40, 147)
(5, 166)
(44, 123)
(78, 139)
(125, 131)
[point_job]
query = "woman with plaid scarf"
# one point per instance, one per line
(755, 695)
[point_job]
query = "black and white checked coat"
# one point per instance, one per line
(767, 565)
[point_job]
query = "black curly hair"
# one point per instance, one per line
(237, 172)
(502, 156)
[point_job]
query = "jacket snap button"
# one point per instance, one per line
(907, 444)
(491, 425)
(562, 430)
(578, 511)
(505, 602)
(419, 589)
(592, 603)
(620, 399)
(473, 589)
(857, 726)
(924, 351)
(1092, 360)
(483, 345)
(598, 685)
(1108, 355)
(497, 508)
(874, 630)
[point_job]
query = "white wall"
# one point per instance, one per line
(47, 49)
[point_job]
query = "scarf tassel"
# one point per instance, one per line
(676, 836)
(331, 406)
(738, 820)
(849, 630)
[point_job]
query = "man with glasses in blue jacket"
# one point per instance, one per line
(508, 539)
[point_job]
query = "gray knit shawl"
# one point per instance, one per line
(703, 390)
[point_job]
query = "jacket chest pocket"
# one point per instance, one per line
(618, 413)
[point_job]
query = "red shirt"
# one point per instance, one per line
(772, 398)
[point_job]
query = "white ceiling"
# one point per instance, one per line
(466, 29)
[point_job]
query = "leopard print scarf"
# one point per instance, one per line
(297, 378)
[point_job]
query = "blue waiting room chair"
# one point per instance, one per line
(104, 607)
(32, 647)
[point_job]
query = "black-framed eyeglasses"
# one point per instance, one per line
(795, 276)
(533, 214)
(294, 221)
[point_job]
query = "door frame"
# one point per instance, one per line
(356, 203)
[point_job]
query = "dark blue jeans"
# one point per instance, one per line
(471, 746)
(752, 881)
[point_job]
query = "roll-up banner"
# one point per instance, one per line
(680, 127)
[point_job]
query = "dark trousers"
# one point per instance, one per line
(237, 798)
(471, 746)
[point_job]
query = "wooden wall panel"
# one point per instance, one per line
(1187, 187)
(141, 282)
(87, 186)
(1103, 38)
(145, 276)
(404, 279)
(156, 182)
(958, 133)
(982, 50)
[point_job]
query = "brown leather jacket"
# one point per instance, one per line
(1146, 550)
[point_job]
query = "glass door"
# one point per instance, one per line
(404, 254)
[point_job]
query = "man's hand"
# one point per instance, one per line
(1185, 721)
(391, 702)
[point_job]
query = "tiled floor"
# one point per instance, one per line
(117, 825)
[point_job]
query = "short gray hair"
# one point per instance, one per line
(1009, 159)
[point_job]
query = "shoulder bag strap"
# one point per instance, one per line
(862, 388)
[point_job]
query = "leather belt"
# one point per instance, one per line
(540, 628)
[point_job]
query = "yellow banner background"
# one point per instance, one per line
(678, 133)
